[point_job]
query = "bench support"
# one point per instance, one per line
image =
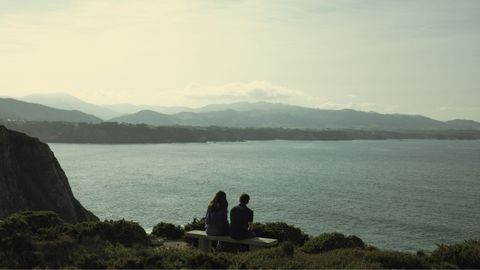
(205, 245)
(205, 241)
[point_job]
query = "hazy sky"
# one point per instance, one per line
(417, 57)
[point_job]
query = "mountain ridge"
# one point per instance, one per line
(255, 114)
(295, 117)
(13, 109)
(68, 102)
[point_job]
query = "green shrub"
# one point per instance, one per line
(281, 231)
(196, 224)
(330, 241)
(260, 259)
(167, 230)
(464, 255)
(17, 251)
(120, 231)
(31, 221)
(43, 240)
(396, 260)
(28, 239)
(286, 249)
(175, 258)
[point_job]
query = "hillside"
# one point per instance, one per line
(286, 116)
(11, 109)
(68, 102)
(238, 115)
(110, 132)
(31, 179)
(39, 240)
(463, 124)
(146, 117)
(130, 108)
(238, 106)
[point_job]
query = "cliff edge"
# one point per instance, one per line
(31, 179)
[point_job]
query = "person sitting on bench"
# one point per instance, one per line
(241, 219)
(216, 222)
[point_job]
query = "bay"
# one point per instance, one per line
(402, 195)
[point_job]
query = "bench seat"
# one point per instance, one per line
(205, 241)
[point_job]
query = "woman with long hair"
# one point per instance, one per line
(216, 222)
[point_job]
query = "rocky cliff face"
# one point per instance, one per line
(31, 179)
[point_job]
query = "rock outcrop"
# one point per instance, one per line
(31, 179)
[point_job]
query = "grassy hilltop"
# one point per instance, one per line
(43, 240)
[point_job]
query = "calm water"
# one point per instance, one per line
(403, 195)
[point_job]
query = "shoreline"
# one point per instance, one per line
(114, 133)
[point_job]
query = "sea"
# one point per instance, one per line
(405, 195)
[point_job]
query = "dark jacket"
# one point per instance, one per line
(216, 222)
(240, 216)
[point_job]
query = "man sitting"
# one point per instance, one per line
(241, 219)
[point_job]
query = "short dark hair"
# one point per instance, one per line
(244, 198)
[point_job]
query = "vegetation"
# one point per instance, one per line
(331, 241)
(116, 232)
(43, 240)
(196, 224)
(464, 255)
(281, 231)
(111, 132)
(167, 230)
(337, 258)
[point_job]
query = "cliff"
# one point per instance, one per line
(31, 179)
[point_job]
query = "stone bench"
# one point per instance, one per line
(205, 241)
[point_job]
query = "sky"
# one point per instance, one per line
(413, 57)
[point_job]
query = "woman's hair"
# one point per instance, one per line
(219, 201)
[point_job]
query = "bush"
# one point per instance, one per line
(196, 224)
(281, 231)
(286, 249)
(259, 259)
(397, 260)
(176, 258)
(119, 231)
(24, 234)
(31, 221)
(330, 241)
(43, 240)
(167, 230)
(464, 255)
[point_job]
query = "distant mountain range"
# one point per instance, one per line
(241, 114)
(296, 117)
(68, 102)
(12, 109)
(239, 106)
(130, 108)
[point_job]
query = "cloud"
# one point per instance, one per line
(196, 95)
(251, 91)
(450, 108)
(259, 90)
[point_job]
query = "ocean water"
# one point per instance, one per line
(402, 195)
